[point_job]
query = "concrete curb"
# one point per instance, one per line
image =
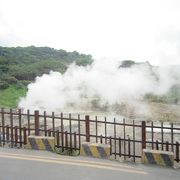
(161, 158)
(40, 143)
(95, 150)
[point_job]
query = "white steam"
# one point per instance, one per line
(100, 85)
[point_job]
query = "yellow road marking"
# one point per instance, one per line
(73, 163)
(72, 160)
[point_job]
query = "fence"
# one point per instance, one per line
(126, 138)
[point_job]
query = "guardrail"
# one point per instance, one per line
(126, 138)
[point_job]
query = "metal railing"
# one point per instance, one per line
(126, 138)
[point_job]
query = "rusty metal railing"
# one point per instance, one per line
(126, 138)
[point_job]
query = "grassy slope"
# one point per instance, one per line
(19, 66)
(10, 96)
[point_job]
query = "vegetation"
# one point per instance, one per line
(171, 97)
(10, 96)
(19, 66)
(127, 64)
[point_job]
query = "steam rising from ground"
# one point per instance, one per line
(102, 85)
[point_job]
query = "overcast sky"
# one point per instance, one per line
(141, 30)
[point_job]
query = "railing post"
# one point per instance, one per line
(143, 135)
(3, 125)
(157, 145)
(87, 128)
(36, 118)
(25, 135)
(177, 152)
(16, 135)
(20, 125)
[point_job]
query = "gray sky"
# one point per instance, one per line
(126, 29)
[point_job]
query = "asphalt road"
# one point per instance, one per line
(19, 164)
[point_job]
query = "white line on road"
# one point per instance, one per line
(72, 162)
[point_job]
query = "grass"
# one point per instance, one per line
(11, 96)
(67, 152)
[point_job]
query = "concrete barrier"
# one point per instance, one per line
(95, 150)
(161, 158)
(40, 143)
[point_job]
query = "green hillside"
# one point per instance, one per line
(19, 66)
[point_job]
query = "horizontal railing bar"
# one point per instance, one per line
(16, 113)
(161, 143)
(61, 118)
(164, 127)
(122, 154)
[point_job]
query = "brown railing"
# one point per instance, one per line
(126, 138)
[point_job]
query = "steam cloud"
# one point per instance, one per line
(97, 86)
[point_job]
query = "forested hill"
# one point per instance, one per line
(23, 64)
(19, 66)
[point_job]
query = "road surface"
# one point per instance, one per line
(20, 164)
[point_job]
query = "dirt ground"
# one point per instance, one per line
(139, 111)
(155, 112)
